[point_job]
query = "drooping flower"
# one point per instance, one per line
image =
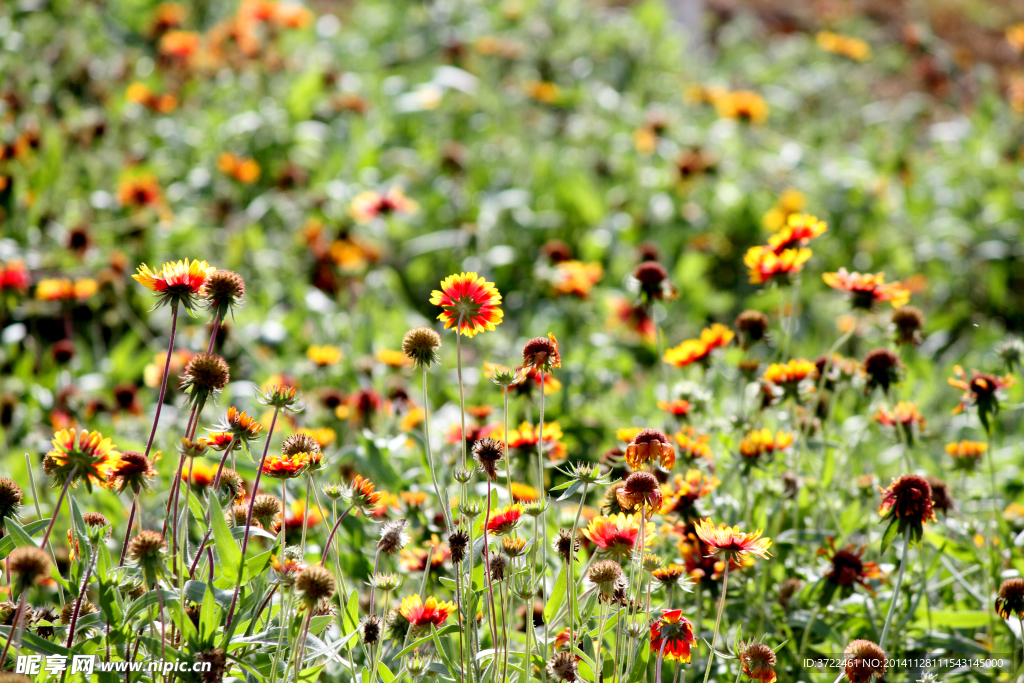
(673, 632)
(176, 281)
(654, 283)
(81, 455)
(617, 534)
(640, 491)
(650, 444)
(867, 290)
(908, 503)
(732, 542)
(767, 266)
(982, 391)
(433, 612)
(848, 569)
(752, 326)
(364, 495)
(882, 368)
(908, 322)
(133, 470)
(469, 303)
(223, 291)
(420, 345)
(541, 353)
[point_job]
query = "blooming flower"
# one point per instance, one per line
(767, 266)
(904, 415)
(63, 289)
(982, 391)
(244, 170)
(324, 356)
(789, 375)
(673, 632)
(81, 455)
(846, 46)
(286, 466)
(692, 444)
(866, 289)
(798, 231)
(742, 105)
(682, 491)
(617, 534)
(527, 436)
(430, 613)
(848, 568)
(699, 350)
(370, 204)
(175, 281)
(505, 520)
(393, 359)
(761, 442)
(469, 303)
(576, 278)
(966, 454)
(908, 503)
(678, 407)
(731, 541)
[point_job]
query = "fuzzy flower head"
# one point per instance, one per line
(133, 470)
(420, 345)
(28, 565)
(469, 303)
(1011, 598)
(732, 542)
(205, 375)
(982, 390)
(672, 636)
(617, 534)
(433, 612)
(908, 504)
(176, 281)
(865, 661)
(758, 662)
(653, 281)
(223, 291)
(882, 368)
(147, 549)
(867, 290)
(85, 455)
(541, 353)
(11, 497)
(315, 583)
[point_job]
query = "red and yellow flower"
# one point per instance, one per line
(790, 374)
(766, 266)
(430, 613)
(81, 455)
(761, 442)
(699, 350)
(730, 541)
(576, 278)
(799, 230)
(693, 445)
(370, 204)
(678, 407)
(866, 289)
(981, 390)
(469, 303)
(617, 534)
(682, 491)
(966, 454)
(175, 280)
(505, 520)
(672, 636)
(286, 466)
(905, 413)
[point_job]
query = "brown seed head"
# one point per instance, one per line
(908, 321)
(752, 326)
(458, 541)
(882, 368)
(300, 443)
(206, 372)
(146, 546)
(1011, 598)
(421, 344)
(29, 564)
(222, 290)
(563, 667)
(489, 453)
(864, 659)
(315, 583)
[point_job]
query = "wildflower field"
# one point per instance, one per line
(524, 340)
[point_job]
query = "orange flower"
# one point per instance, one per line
(866, 289)
(363, 494)
(522, 493)
(678, 407)
(617, 534)
(82, 455)
(731, 541)
(982, 390)
(673, 632)
(287, 466)
(966, 454)
(175, 278)
(369, 204)
(299, 514)
(699, 350)
(742, 105)
(505, 520)
(63, 289)
(527, 436)
(202, 475)
(789, 375)
(800, 228)
(244, 170)
(240, 425)
(542, 91)
(650, 444)
(765, 265)
(576, 277)
(692, 444)
(470, 303)
(180, 45)
(906, 414)
(633, 316)
(431, 613)
(393, 359)
(140, 191)
(324, 356)
(846, 46)
(682, 492)
(759, 442)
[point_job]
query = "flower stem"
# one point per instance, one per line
(718, 620)
(163, 382)
(895, 591)
(446, 508)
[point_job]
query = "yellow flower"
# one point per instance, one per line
(742, 105)
(324, 355)
(469, 303)
(765, 265)
(846, 46)
(394, 359)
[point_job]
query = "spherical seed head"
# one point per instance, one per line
(218, 660)
(563, 667)
(147, 546)
(223, 290)
(650, 436)
(908, 321)
(651, 275)
(605, 572)
(266, 508)
(315, 583)
(371, 628)
(69, 609)
(10, 498)
(1011, 598)
(882, 368)
(29, 564)
(231, 487)
(237, 514)
(566, 544)
(393, 536)
(909, 500)
(205, 373)
(640, 490)
(300, 443)
(556, 251)
(610, 501)
(421, 344)
(864, 659)
(489, 452)
(752, 326)
(758, 662)
(458, 541)
(63, 351)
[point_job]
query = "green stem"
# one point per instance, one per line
(718, 620)
(895, 591)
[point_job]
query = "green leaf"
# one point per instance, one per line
(956, 618)
(556, 599)
(18, 535)
(303, 94)
(443, 654)
(385, 673)
(450, 628)
(37, 644)
(229, 556)
(890, 533)
(7, 544)
(209, 615)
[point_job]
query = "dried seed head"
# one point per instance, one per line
(237, 514)
(864, 659)
(300, 443)
(393, 536)
(147, 546)
(458, 541)
(908, 321)
(566, 544)
(882, 368)
(206, 372)
(29, 564)
(541, 352)
(421, 344)
(10, 498)
(371, 628)
(231, 485)
(610, 501)
(605, 572)
(315, 583)
(752, 326)
(563, 667)
(69, 608)
(651, 275)
(218, 659)
(266, 508)
(223, 289)
(489, 453)
(942, 500)
(496, 565)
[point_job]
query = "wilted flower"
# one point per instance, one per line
(752, 326)
(29, 565)
(563, 667)
(223, 291)
(908, 321)
(393, 536)
(650, 444)
(469, 303)
(908, 503)
(758, 662)
(489, 453)
(882, 368)
(541, 353)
